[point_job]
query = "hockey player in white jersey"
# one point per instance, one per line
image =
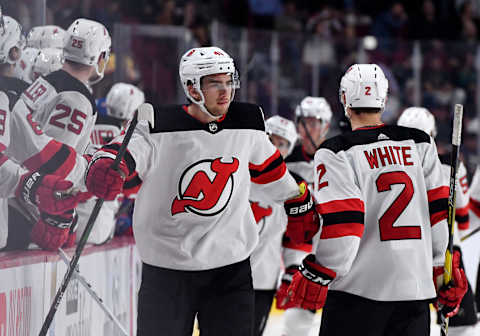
(38, 188)
(266, 259)
(421, 118)
(382, 196)
(122, 100)
(313, 116)
(192, 220)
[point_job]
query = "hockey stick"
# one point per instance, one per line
(456, 140)
(470, 234)
(144, 112)
(94, 295)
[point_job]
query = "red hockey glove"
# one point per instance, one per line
(103, 181)
(309, 286)
(283, 301)
(303, 221)
(450, 296)
(50, 193)
(51, 231)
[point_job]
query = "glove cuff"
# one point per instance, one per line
(27, 187)
(315, 272)
(59, 221)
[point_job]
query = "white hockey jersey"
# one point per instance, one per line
(192, 210)
(266, 259)
(383, 198)
(64, 108)
(462, 202)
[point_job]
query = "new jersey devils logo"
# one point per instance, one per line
(205, 187)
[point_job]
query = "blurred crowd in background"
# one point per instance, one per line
(324, 37)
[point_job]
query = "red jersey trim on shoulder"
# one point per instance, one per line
(342, 230)
(351, 204)
(369, 127)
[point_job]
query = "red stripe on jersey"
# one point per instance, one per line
(3, 159)
(351, 204)
(2, 147)
(305, 247)
(437, 217)
(437, 193)
(342, 230)
(261, 167)
(475, 206)
(43, 156)
(271, 176)
(462, 217)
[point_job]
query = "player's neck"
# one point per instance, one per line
(365, 120)
(83, 75)
(195, 111)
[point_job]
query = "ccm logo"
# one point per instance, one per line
(301, 209)
(315, 278)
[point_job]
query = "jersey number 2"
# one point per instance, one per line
(387, 230)
(76, 123)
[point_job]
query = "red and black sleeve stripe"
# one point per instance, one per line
(475, 206)
(438, 204)
(269, 171)
(55, 158)
(129, 160)
(342, 218)
(462, 217)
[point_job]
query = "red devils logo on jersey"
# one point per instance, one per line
(205, 187)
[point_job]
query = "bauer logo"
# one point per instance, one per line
(205, 188)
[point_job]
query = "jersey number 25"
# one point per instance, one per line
(74, 125)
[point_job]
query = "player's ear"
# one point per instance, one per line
(193, 92)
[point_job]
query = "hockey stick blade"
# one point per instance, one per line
(144, 112)
(456, 140)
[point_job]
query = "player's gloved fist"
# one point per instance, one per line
(303, 221)
(449, 296)
(103, 181)
(309, 286)
(50, 193)
(283, 301)
(51, 231)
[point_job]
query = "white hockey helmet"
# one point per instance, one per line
(316, 107)
(418, 117)
(46, 37)
(24, 66)
(284, 128)
(85, 42)
(199, 62)
(123, 99)
(47, 61)
(364, 86)
(12, 40)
